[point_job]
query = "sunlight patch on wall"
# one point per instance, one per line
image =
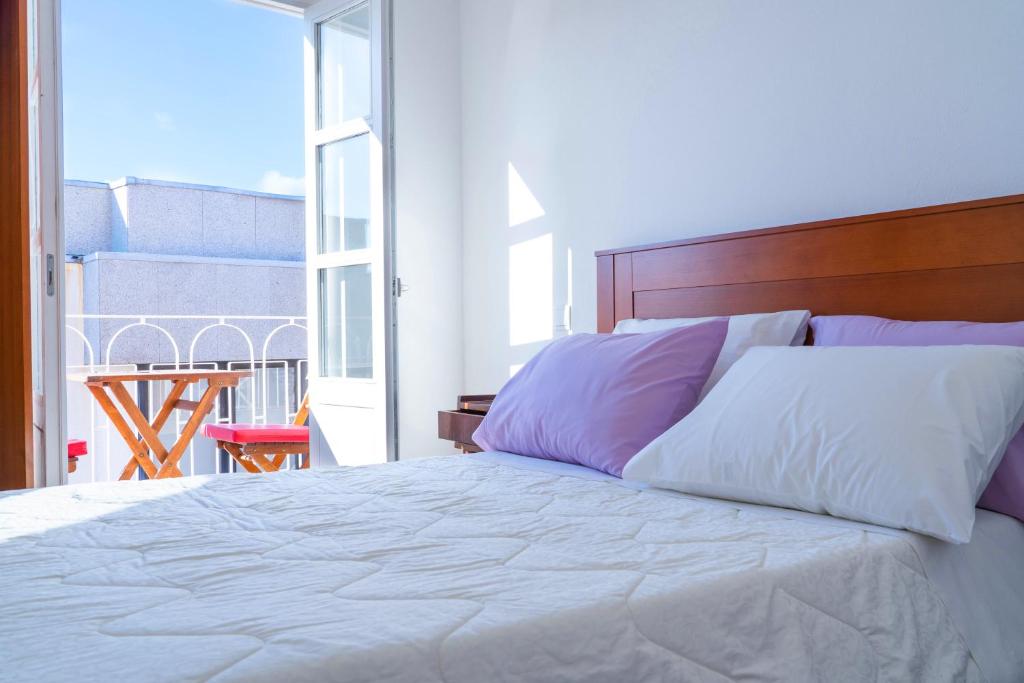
(513, 369)
(530, 290)
(522, 205)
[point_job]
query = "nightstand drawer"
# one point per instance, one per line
(457, 426)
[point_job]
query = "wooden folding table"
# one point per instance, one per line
(106, 387)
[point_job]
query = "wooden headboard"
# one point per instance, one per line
(961, 261)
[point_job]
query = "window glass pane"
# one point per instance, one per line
(346, 320)
(343, 67)
(345, 195)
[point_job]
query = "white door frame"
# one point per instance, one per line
(384, 290)
(49, 344)
(47, 249)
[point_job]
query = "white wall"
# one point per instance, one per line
(428, 218)
(633, 122)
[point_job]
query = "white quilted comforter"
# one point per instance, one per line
(451, 569)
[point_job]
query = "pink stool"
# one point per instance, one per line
(261, 448)
(76, 449)
(250, 444)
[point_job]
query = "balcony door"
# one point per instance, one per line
(348, 231)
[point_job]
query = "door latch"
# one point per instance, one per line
(397, 288)
(51, 275)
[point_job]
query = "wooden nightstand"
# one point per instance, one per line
(458, 425)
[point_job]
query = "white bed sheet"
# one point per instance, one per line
(457, 570)
(981, 582)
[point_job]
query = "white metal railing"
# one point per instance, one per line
(271, 395)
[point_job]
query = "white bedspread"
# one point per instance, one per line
(451, 569)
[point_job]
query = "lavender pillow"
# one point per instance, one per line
(597, 399)
(1005, 491)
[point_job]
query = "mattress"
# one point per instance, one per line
(453, 569)
(980, 581)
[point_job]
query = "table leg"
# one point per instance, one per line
(170, 465)
(235, 451)
(180, 385)
(140, 454)
(262, 462)
(150, 433)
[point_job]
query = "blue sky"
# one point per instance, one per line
(200, 91)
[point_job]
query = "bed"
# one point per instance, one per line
(497, 567)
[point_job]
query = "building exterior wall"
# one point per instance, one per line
(87, 217)
(121, 284)
(181, 219)
(153, 248)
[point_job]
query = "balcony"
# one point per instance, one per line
(273, 348)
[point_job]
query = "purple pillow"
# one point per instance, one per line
(597, 399)
(1005, 492)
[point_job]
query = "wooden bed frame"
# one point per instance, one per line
(962, 261)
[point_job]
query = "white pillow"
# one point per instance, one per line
(786, 328)
(906, 437)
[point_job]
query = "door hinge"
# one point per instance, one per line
(397, 288)
(51, 275)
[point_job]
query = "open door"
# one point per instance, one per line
(348, 231)
(46, 243)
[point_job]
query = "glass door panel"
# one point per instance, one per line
(346, 299)
(343, 67)
(345, 195)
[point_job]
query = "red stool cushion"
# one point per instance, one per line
(250, 433)
(77, 447)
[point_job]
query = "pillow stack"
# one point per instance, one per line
(902, 437)
(597, 399)
(1005, 492)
